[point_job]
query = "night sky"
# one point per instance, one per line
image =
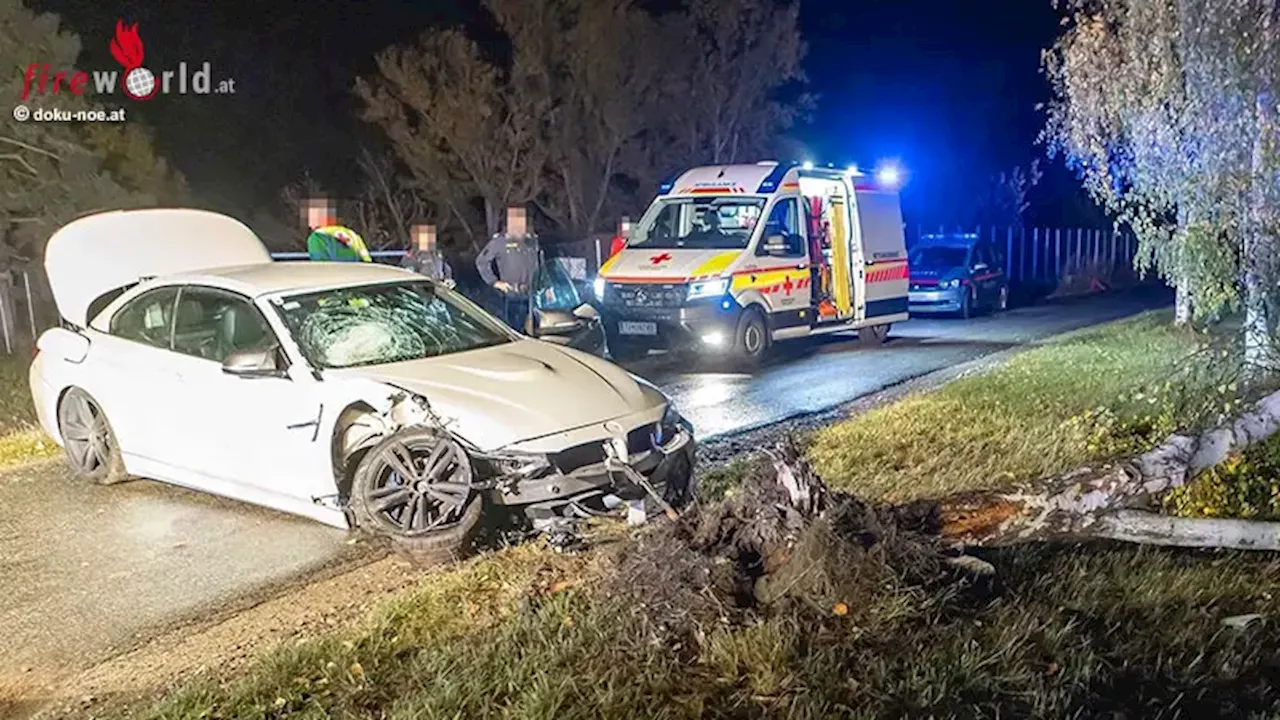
(948, 89)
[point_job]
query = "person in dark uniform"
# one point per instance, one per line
(508, 264)
(425, 257)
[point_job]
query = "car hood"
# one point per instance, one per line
(641, 264)
(99, 253)
(519, 391)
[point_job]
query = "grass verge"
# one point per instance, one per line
(21, 440)
(1120, 389)
(851, 626)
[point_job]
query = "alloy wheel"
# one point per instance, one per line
(85, 433)
(420, 487)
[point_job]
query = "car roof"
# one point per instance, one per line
(290, 276)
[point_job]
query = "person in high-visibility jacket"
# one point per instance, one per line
(329, 240)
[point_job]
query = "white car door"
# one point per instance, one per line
(257, 438)
(131, 373)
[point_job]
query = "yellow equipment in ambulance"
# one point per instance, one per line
(732, 258)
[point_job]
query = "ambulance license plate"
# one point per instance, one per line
(637, 328)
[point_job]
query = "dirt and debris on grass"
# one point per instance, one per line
(741, 609)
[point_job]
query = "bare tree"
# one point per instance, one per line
(596, 98)
(459, 123)
(1006, 200)
(610, 80)
(740, 56)
(389, 203)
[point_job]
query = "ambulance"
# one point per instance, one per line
(732, 258)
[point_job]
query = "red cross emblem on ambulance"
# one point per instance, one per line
(659, 259)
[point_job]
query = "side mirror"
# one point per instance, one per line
(254, 363)
(979, 267)
(554, 322)
(775, 246)
(587, 312)
(63, 343)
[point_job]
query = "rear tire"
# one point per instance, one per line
(874, 335)
(90, 444)
(414, 488)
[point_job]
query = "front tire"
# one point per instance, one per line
(87, 439)
(751, 341)
(966, 305)
(415, 488)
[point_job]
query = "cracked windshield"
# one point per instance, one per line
(381, 324)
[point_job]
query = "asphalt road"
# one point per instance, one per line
(87, 571)
(827, 371)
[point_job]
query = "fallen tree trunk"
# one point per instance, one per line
(1102, 502)
(1106, 501)
(1153, 529)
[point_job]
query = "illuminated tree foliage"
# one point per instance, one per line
(591, 104)
(1167, 109)
(51, 172)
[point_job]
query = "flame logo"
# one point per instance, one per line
(138, 82)
(126, 46)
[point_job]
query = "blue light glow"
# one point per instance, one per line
(889, 175)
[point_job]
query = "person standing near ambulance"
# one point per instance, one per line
(329, 240)
(508, 264)
(620, 239)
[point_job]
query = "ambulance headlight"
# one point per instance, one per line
(598, 288)
(708, 288)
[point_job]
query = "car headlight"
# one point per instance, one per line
(668, 427)
(524, 466)
(708, 288)
(598, 287)
(949, 284)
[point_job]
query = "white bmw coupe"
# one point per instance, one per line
(358, 395)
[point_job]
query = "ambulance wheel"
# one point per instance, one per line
(751, 341)
(875, 335)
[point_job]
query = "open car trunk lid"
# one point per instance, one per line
(95, 255)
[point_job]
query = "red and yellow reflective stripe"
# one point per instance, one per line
(769, 281)
(887, 271)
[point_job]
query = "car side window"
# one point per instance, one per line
(147, 318)
(784, 224)
(212, 324)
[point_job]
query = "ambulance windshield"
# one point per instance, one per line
(700, 223)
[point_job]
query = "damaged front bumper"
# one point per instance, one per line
(663, 466)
